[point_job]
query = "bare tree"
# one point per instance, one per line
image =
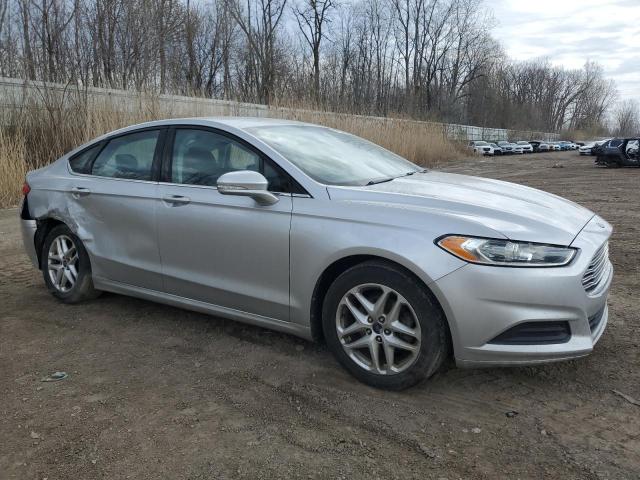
(422, 58)
(312, 16)
(260, 22)
(626, 118)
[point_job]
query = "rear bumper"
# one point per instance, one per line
(482, 302)
(28, 228)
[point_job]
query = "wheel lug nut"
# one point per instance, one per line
(387, 332)
(368, 331)
(379, 339)
(381, 319)
(369, 319)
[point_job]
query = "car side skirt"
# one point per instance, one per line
(202, 307)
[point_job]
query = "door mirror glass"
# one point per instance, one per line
(247, 183)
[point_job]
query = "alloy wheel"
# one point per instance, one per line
(62, 263)
(378, 329)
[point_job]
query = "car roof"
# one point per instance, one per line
(241, 123)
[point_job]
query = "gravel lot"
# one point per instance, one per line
(157, 392)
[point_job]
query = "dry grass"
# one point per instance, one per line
(36, 132)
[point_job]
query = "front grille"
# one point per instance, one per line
(597, 269)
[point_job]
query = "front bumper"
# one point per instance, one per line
(481, 302)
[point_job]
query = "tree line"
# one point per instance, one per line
(424, 59)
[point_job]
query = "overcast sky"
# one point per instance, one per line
(570, 32)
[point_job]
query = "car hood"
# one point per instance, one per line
(515, 211)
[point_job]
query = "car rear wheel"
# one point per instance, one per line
(66, 266)
(384, 327)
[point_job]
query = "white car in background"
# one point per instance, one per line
(497, 150)
(481, 148)
(586, 148)
(507, 147)
(526, 146)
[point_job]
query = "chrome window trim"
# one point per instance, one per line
(211, 187)
(89, 175)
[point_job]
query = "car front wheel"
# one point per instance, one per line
(383, 326)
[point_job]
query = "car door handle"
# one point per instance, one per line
(176, 199)
(78, 192)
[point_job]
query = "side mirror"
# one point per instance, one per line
(247, 183)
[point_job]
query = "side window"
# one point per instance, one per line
(129, 156)
(200, 157)
(81, 163)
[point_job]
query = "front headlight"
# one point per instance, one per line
(508, 253)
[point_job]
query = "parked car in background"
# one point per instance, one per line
(526, 146)
(564, 145)
(510, 148)
(599, 146)
(622, 152)
(535, 144)
(555, 146)
(481, 147)
(544, 147)
(497, 149)
(585, 149)
(507, 147)
(395, 267)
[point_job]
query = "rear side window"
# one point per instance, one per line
(81, 163)
(129, 156)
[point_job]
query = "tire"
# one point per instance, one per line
(68, 288)
(418, 313)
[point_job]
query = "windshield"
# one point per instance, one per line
(332, 157)
(523, 143)
(481, 144)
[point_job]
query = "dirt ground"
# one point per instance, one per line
(157, 392)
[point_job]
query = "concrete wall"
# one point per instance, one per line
(16, 92)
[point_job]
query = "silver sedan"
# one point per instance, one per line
(324, 235)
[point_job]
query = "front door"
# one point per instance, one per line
(221, 249)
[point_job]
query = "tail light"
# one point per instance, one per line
(25, 189)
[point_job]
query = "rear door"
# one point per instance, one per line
(113, 201)
(221, 249)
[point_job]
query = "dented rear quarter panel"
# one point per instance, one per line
(116, 221)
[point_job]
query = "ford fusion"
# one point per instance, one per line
(324, 235)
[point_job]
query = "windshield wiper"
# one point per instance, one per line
(380, 180)
(388, 179)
